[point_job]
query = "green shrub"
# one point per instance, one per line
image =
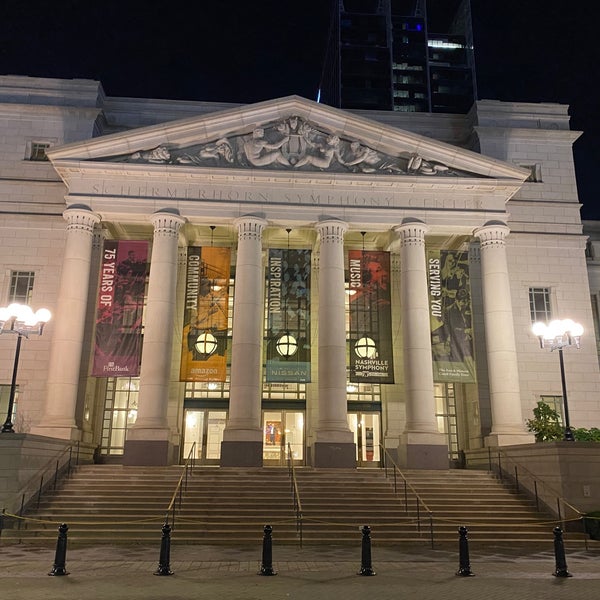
(545, 424)
(592, 524)
(587, 435)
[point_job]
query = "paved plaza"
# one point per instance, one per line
(310, 573)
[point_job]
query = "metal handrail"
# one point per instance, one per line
(503, 472)
(188, 465)
(295, 493)
(47, 476)
(407, 486)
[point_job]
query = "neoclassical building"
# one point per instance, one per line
(247, 281)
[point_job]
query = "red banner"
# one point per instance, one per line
(371, 357)
(118, 345)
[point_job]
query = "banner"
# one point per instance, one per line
(204, 351)
(288, 316)
(451, 316)
(371, 357)
(118, 343)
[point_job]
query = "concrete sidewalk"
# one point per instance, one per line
(310, 573)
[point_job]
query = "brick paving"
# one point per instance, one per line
(311, 573)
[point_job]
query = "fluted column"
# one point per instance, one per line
(148, 440)
(242, 438)
(422, 445)
(334, 445)
(68, 326)
(503, 373)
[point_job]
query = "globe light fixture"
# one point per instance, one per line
(365, 348)
(557, 335)
(206, 343)
(20, 320)
(286, 345)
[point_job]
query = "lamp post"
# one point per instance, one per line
(23, 322)
(557, 335)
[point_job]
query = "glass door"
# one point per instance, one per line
(366, 428)
(280, 428)
(205, 427)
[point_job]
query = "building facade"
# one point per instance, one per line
(285, 278)
(401, 55)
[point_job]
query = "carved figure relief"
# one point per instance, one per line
(290, 144)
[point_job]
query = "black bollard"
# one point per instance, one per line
(464, 567)
(366, 568)
(266, 566)
(164, 568)
(58, 569)
(559, 555)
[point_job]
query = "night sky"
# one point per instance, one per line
(241, 51)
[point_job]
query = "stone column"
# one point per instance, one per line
(148, 440)
(242, 438)
(422, 446)
(68, 324)
(334, 445)
(508, 425)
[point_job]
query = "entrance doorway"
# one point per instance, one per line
(446, 415)
(280, 428)
(366, 427)
(205, 427)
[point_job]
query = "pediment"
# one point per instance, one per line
(285, 135)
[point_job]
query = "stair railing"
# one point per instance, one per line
(57, 467)
(295, 493)
(389, 463)
(545, 496)
(177, 497)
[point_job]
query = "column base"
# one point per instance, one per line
(241, 454)
(334, 455)
(149, 453)
(508, 439)
(423, 451)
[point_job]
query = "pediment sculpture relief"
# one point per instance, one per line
(292, 144)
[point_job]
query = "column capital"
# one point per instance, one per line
(81, 217)
(250, 227)
(493, 233)
(332, 231)
(167, 221)
(411, 232)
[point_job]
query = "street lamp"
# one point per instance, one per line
(23, 322)
(556, 336)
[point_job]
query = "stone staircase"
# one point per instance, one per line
(117, 504)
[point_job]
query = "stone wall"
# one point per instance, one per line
(25, 458)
